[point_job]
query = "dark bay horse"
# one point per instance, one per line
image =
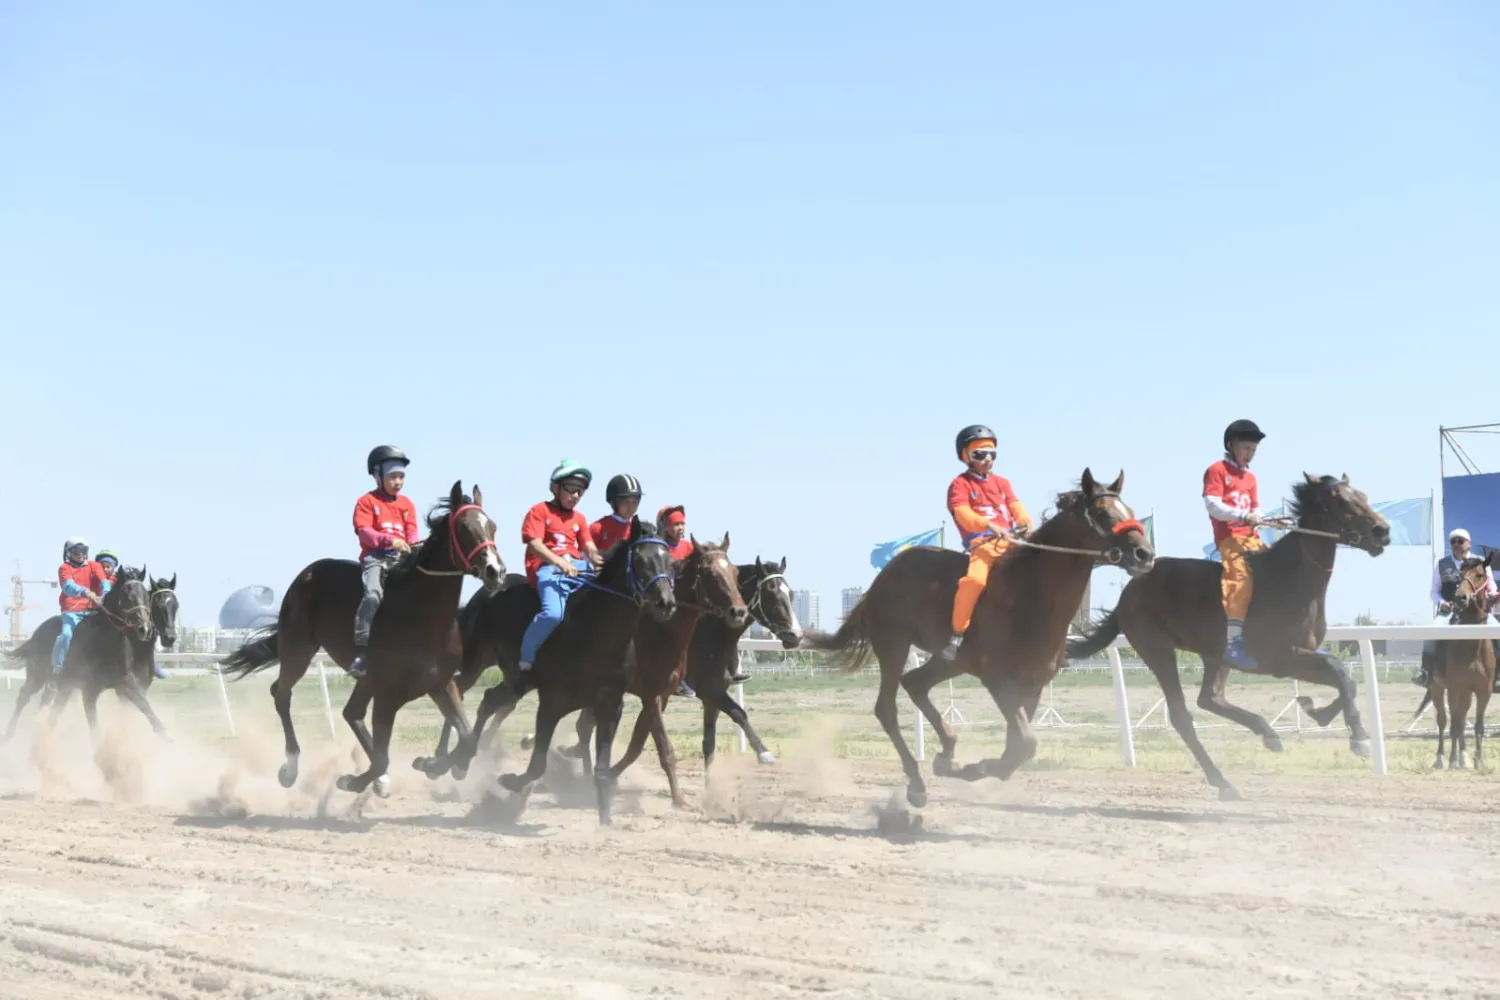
(1466, 668)
(414, 646)
(1179, 605)
(582, 663)
(713, 658)
(1015, 643)
(707, 587)
(114, 649)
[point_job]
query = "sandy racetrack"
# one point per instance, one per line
(189, 873)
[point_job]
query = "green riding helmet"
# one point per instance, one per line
(569, 469)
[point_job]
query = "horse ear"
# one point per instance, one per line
(1312, 480)
(758, 564)
(1345, 480)
(456, 495)
(173, 584)
(1086, 481)
(145, 577)
(783, 565)
(478, 496)
(725, 543)
(693, 540)
(635, 527)
(1119, 483)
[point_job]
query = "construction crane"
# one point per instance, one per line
(18, 606)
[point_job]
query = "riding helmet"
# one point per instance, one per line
(1242, 430)
(569, 469)
(382, 454)
(970, 434)
(74, 543)
(104, 554)
(620, 487)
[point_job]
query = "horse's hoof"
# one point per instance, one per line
(766, 757)
(346, 783)
(459, 771)
(1229, 793)
(917, 796)
(1360, 748)
(942, 765)
(527, 741)
(383, 786)
(512, 783)
(421, 764)
(1272, 742)
(287, 774)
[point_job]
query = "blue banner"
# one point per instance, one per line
(886, 551)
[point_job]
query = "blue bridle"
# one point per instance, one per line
(637, 588)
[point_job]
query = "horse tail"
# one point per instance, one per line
(1097, 639)
(851, 642)
(260, 652)
(1426, 700)
(22, 651)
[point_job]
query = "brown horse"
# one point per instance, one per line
(1015, 643)
(1178, 605)
(414, 645)
(583, 661)
(114, 649)
(707, 587)
(1466, 668)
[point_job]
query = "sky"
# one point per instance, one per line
(767, 258)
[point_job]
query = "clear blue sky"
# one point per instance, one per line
(767, 259)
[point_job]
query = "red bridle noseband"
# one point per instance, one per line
(464, 561)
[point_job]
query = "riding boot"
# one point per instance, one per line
(1423, 677)
(1234, 652)
(357, 668)
(738, 677)
(949, 653)
(158, 670)
(684, 690)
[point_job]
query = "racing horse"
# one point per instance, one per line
(114, 650)
(583, 661)
(713, 658)
(1466, 668)
(414, 647)
(1015, 643)
(1178, 605)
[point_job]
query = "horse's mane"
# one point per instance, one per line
(437, 517)
(1306, 501)
(1051, 527)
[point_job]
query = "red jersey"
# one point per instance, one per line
(682, 549)
(1236, 489)
(562, 531)
(75, 581)
(975, 502)
(608, 531)
(379, 519)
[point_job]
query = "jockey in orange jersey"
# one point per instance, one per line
(988, 515)
(1233, 500)
(623, 494)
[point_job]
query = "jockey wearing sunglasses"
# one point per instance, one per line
(988, 515)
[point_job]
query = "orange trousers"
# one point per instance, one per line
(1238, 585)
(981, 558)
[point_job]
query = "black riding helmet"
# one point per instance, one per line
(1242, 430)
(970, 434)
(384, 453)
(621, 487)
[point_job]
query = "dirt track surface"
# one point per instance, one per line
(188, 873)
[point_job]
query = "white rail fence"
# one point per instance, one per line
(205, 664)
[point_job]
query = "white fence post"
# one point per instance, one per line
(327, 701)
(1377, 724)
(224, 697)
(739, 696)
(1122, 707)
(920, 725)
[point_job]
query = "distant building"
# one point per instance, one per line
(851, 598)
(805, 603)
(249, 607)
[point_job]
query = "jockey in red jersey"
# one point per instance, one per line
(623, 494)
(83, 584)
(386, 524)
(1232, 497)
(988, 515)
(557, 540)
(671, 524)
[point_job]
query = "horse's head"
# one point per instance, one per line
(1328, 504)
(1473, 585)
(1111, 524)
(471, 536)
(645, 564)
(128, 606)
(770, 601)
(163, 598)
(709, 580)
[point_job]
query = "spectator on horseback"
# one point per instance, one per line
(1445, 577)
(1232, 497)
(623, 494)
(558, 542)
(671, 524)
(989, 516)
(385, 522)
(83, 585)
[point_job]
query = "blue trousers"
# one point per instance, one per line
(553, 587)
(70, 620)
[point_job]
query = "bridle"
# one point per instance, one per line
(456, 554)
(1114, 554)
(700, 604)
(637, 589)
(138, 616)
(757, 605)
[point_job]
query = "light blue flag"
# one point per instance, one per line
(886, 551)
(1268, 535)
(1150, 522)
(1411, 520)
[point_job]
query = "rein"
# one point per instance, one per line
(1111, 555)
(638, 595)
(456, 553)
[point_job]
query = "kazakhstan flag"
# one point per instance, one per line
(886, 551)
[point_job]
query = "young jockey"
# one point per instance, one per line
(557, 539)
(988, 515)
(671, 522)
(1233, 500)
(623, 494)
(110, 563)
(83, 587)
(385, 522)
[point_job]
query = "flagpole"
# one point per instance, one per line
(1432, 532)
